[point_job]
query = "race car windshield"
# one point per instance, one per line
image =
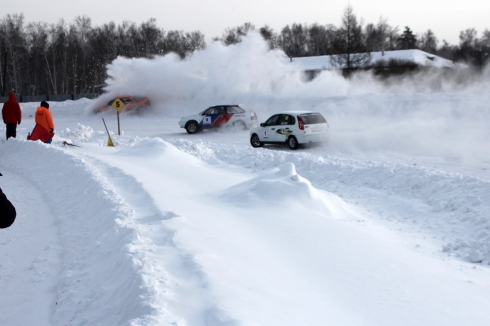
(312, 118)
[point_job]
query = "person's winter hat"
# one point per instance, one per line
(45, 104)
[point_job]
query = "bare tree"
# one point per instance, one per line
(350, 51)
(393, 36)
(234, 35)
(104, 43)
(72, 58)
(195, 41)
(150, 35)
(12, 27)
(293, 40)
(83, 28)
(378, 36)
(36, 37)
(57, 58)
(469, 44)
(428, 42)
(269, 35)
(485, 39)
(320, 39)
(485, 47)
(468, 38)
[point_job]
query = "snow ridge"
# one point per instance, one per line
(85, 284)
(413, 190)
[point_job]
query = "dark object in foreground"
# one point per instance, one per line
(69, 144)
(7, 211)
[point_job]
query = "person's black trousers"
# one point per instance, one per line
(11, 130)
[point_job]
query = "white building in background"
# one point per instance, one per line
(421, 58)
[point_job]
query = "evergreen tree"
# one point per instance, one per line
(407, 40)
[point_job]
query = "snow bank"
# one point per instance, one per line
(459, 205)
(279, 186)
(98, 281)
(154, 236)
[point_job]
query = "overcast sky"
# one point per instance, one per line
(445, 18)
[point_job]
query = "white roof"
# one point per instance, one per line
(417, 56)
(297, 112)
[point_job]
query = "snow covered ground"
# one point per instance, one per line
(386, 224)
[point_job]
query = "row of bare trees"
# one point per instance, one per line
(62, 58)
(66, 58)
(352, 41)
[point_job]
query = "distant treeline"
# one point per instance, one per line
(66, 58)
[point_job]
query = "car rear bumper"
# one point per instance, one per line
(312, 138)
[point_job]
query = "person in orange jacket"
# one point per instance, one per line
(44, 128)
(12, 115)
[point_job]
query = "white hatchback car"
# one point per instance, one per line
(219, 116)
(291, 127)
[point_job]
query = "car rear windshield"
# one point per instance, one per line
(312, 118)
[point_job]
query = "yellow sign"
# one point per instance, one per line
(109, 142)
(117, 104)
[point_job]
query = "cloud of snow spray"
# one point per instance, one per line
(425, 114)
(246, 73)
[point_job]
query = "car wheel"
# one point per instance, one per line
(255, 141)
(239, 125)
(293, 142)
(191, 127)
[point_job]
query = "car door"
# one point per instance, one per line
(268, 130)
(224, 117)
(210, 116)
(284, 127)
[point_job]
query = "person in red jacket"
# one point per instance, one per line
(44, 128)
(12, 115)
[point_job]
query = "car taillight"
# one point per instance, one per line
(301, 125)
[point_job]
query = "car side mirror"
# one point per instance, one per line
(262, 124)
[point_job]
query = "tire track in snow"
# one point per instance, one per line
(175, 285)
